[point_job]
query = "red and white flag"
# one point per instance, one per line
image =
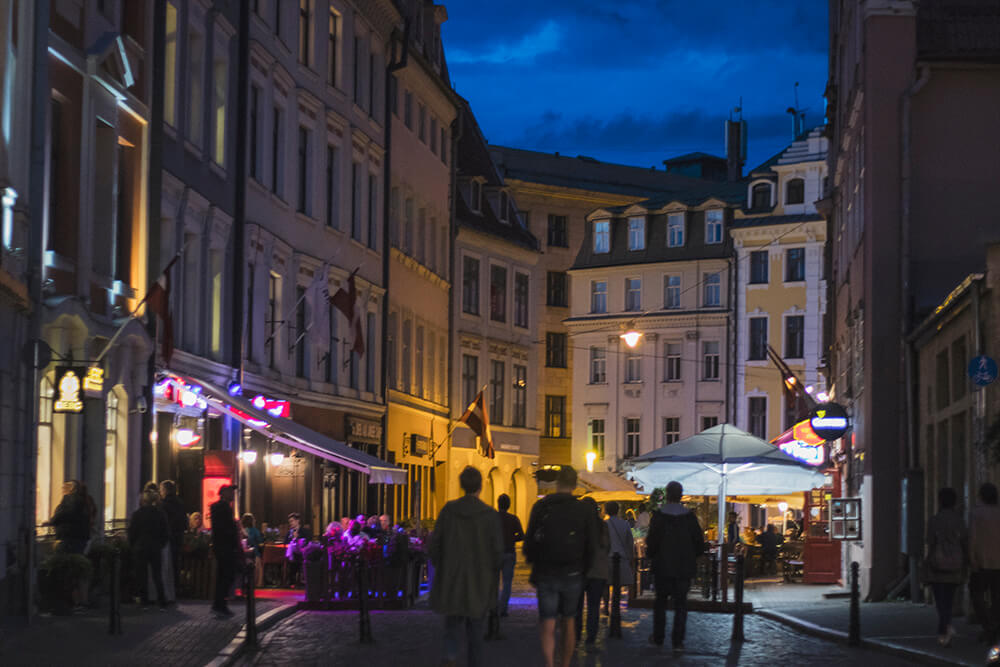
(346, 302)
(158, 302)
(477, 418)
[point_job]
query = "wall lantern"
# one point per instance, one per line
(631, 337)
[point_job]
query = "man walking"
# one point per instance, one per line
(674, 542)
(560, 543)
(512, 534)
(465, 548)
(984, 552)
(225, 546)
(177, 522)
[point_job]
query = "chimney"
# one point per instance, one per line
(736, 149)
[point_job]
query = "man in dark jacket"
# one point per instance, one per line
(177, 523)
(674, 542)
(71, 520)
(512, 534)
(147, 535)
(225, 547)
(465, 549)
(560, 544)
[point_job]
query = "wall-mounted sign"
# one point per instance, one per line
(364, 430)
(803, 432)
(68, 384)
(811, 454)
(93, 382)
(419, 445)
(845, 518)
(982, 370)
(829, 420)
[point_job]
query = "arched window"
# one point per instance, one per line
(795, 191)
(761, 196)
(46, 497)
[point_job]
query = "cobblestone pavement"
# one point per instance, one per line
(413, 638)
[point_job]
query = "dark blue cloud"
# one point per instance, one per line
(636, 80)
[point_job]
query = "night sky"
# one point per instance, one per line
(637, 81)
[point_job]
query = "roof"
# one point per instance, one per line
(766, 220)
(693, 157)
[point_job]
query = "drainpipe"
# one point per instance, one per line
(732, 338)
(909, 413)
(457, 129)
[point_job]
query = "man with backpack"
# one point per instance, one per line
(560, 543)
(674, 542)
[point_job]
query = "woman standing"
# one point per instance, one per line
(947, 557)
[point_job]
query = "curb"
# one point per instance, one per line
(898, 650)
(235, 648)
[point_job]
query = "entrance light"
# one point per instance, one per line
(249, 456)
(277, 458)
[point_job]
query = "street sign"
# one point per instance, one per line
(829, 420)
(982, 370)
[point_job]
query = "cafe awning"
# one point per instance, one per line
(605, 486)
(288, 432)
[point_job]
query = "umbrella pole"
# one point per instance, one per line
(721, 534)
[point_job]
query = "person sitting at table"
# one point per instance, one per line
(372, 528)
(333, 532)
(296, 531)
(298, 535)
(355, 536)
(769, 543)
(345, 524)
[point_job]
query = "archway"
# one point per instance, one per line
(519, 495)
(495, 486)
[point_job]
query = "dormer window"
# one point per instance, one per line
(503, 206)
(795, 191)
(476, 198)
(675, 230)
(760, 196)
(637, 233)
(602, 236)
(713, 226)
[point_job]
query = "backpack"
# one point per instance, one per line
(559, 538)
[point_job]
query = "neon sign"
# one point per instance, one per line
(93, 382)
(69, 390)
(810, 454)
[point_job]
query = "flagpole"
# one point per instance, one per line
(451, 429)
(131, 315)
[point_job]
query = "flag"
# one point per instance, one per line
(346, 303)
(158, 303)
(477, 418)
(316, 297)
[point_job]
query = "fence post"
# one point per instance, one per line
(738, 595)
(365, 618)
(615, 628)
(250, 594)
(854, 625)
(114, 607)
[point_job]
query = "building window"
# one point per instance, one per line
(331, 187)
(434, 135)
(372, 209)
(675, 230)
(498, 293)
(504, 205)
(671, 430)
(470, 285)
(636, 233)
(300, 329)
(602, 237)
(496, 394)
(356, 201)
(557, 292)
(370, 352)
(277, 18)
(408, 226)
(633, 294)
(672, 372)
(420, 251)
(757, 416)
(959, 365)
(277, 144)
(713, 226)
(392, 339)
(220, 93)
(795, 265)
(794, 336)
(555, 416)
(371, 83)
(710, 360)
(196, 64)
(170, 68)
(273, 315)
(558, 233)
(352, 369)
(758, 339)
(332, 368)
(421, 123)
(520, 396)
(597, 437)
(408, 109)
(760, 196)
(555, 350)
(431, 367)
(357, 70)
(405, 371)
(759, 261)
(942, 376)
(599, 296)
(632, 433)
(303, 198)
(709, 422)
(598, 365)
(476, 188)
(254, 147)
(111, 457)
(418, 362)
(713, 290)
(633, 366)
(305, 32)
(444, 143)
(521, 292)
(332, 47)
(672, 291)
(795, 191)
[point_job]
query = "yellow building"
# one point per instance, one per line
(779, 241)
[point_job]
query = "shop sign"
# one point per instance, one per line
(829, 420)
(983, 371)
(68, 384)
(418, 445)
(364, 430)
(845, 518)
(93, 382)
(811, 454)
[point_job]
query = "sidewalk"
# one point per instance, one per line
(185, 635)
(900, 628)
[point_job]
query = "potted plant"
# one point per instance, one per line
(60, 579)
(314, 569)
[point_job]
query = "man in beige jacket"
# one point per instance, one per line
(984, 552)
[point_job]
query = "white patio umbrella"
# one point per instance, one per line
(724, 460)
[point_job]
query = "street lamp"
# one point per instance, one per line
(631, 337)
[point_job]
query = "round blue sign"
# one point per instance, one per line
(982, 370)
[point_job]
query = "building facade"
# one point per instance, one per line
(899, 72)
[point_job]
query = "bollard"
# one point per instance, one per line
(365, 618)
(738, 596)
(615, 627)
(854, 625)
(114, 607)
(250, 594)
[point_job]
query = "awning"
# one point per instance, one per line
(293, 434)
(604, 481)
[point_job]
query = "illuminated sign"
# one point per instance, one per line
(93, 382)
(68, 387)
(829, 421)
(272, 406)
(803, 433)
(811, 454)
